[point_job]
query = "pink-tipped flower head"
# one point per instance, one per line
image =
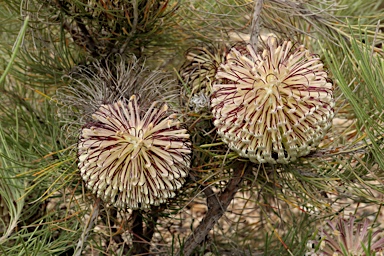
(133, 158)
(272, 106)
(347, 238)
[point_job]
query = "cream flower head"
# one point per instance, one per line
(134, 159)
(272, 106)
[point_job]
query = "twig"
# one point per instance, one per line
(255, 26)
(87, 37)
(86, 231)
(151, 226)
(83, 37)
(141, 242)
(138, 232)
(117, 229)
(134, 26)
(217, 206)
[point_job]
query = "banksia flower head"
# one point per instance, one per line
(199, 71)
(272, 106)
(133, 158)
(350, 239)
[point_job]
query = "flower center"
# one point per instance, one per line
(271, 87)
(133, 137)
(138, 142)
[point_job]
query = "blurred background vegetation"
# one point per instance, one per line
(44, 206)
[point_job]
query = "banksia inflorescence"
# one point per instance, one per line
(133, 158)
(200, 67)
(199, 71)
(348, 238)
(272, 106)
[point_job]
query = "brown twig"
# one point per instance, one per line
(87, 230)
(151, 227)
(87, 37)
(80, 36)
(255, 26)
(217, 206)
(138, 232)
(143, 236)
(135, 7)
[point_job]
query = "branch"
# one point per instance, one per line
(217, 206)
(255, 26)
(83, 37)
(150, 228)
(143, 236)
(134, 26)
(87, 230)
(138, 232)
